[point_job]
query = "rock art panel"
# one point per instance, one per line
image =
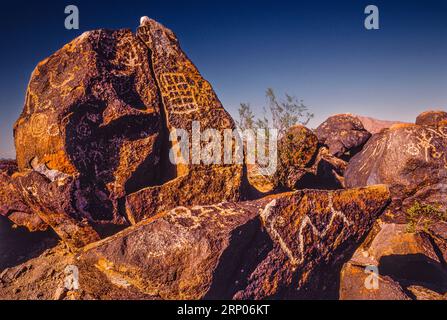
(187, 98)
(409, 158)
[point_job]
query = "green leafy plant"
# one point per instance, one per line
(422, 216)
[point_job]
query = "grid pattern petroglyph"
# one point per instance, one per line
(179, 94)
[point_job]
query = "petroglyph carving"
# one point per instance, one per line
(271, 226)
(306, 222)
(38, 124)
(178, 92)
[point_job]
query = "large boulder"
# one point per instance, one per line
(271, 248)
(92, 113)
(312, 233)
(14, 207)
(411, 159)
(188, 100)
(95, 131)
(343, 134)
(432, 118)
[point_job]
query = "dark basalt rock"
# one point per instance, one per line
(343, 134)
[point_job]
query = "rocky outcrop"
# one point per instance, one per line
(411, 159)
(432, 118)
(269, 248)
(304, 164)
(312, 231)
(407, 264)
(343, 134)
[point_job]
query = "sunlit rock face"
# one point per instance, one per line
(409, 158)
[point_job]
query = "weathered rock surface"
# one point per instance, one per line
(358, 283)
(326, 172)
(312, 231)
(432, 118)
(296, 153)
(270, 248)
(51, 201)
(411, 159)
(343, 134)
(187, 98)
(8, 167)
(403, 260)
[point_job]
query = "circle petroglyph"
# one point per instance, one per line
(39, 124)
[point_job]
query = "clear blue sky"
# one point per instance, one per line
(316, 50)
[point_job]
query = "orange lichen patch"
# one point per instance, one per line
(60, 162)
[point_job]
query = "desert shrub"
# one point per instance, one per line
(280, 114)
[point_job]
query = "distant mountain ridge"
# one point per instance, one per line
(375, 125)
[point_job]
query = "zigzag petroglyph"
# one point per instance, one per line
(271, 228)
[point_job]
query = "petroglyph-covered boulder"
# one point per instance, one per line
(92, 113)
(343, 134)
(272, 248)
(411, 159)
(187, 99)
(432, 118)
(97, 122)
